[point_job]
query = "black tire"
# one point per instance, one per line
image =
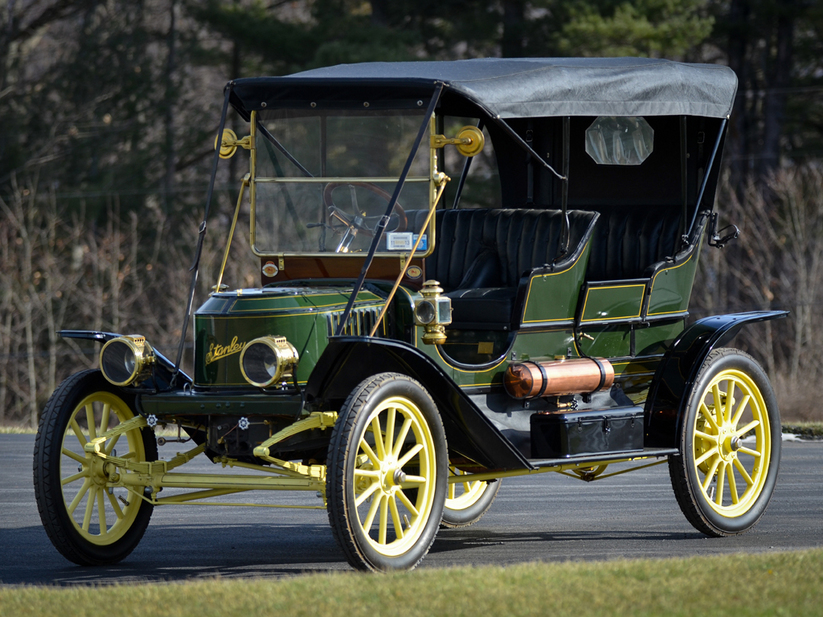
(376, 488)
(89, 536)
(466, 503)
(729, 457)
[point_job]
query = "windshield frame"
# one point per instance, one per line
(431, 178)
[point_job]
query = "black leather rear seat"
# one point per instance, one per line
(481, 255)
(628, 242)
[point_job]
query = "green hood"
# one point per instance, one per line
(306, 316)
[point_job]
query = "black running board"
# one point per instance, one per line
(607, 457)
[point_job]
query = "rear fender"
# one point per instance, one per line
(677, 373)
(348, 360)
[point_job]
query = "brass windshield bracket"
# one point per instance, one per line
(469, 141)
(229, 143)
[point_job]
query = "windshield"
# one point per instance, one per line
(322, 180)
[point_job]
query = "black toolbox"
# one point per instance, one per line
(593, 431)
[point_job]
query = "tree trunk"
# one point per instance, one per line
(511, 45)
(170, 95)
(779, 78)
(380, 13)
(738, 143)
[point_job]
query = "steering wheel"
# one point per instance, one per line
(357, 223)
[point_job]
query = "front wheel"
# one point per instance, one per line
(387, 473)
(729, 446)
(88, 517)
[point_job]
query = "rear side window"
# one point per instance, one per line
(612, 140)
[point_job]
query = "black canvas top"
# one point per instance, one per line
(507, 87)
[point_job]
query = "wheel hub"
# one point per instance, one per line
(97, 471)
(391, 476)
(730, 443)
(398, 477)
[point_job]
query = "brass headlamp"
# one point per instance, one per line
(126, 360)
(268, 360)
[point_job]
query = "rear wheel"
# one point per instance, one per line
(730, 446)
(387, 470)
(467, 502)
(89, 519)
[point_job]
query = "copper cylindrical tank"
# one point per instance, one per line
(528, 379)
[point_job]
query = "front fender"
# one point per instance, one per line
(162, 378)
(348, 360)
(675, 377)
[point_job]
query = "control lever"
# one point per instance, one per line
(719, 239)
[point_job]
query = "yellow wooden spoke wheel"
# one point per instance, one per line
(90, 518)
(730, 444)
(387, 467)
(467, 502)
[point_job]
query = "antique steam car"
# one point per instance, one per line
(469, 271)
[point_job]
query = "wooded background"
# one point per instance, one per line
(108, 111)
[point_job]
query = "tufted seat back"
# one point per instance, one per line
(627, 241)
(494, 248)
(482, 254)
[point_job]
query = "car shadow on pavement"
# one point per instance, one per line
(170, 553)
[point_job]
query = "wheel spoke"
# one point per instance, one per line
(718, 403)
(362, 497)
(401, 437)
(395, 517)
(706, 436)
(721, 478)
(101, 511)
(73, 455)
(79, 496)
(706, 412)
(111, 444)
(743, 472)
(375, 504)
(732, 484)
(740, 409)
(90, 420)
(751, 425)
(730, 385)
(382, 528)
(407, 502)
(410, 455)
(749, 451)
(705, 456)
(74, 478)
(78, 432)
(104, 419)
(378, 437)
(369, 452)
(451, 491)
(710, 475)
(89, 508)
(389, 443)
(467, 487)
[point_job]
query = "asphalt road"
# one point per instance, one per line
(541, 518)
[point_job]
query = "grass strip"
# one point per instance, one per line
(789, 583)
(811, 430)
(17, 430)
